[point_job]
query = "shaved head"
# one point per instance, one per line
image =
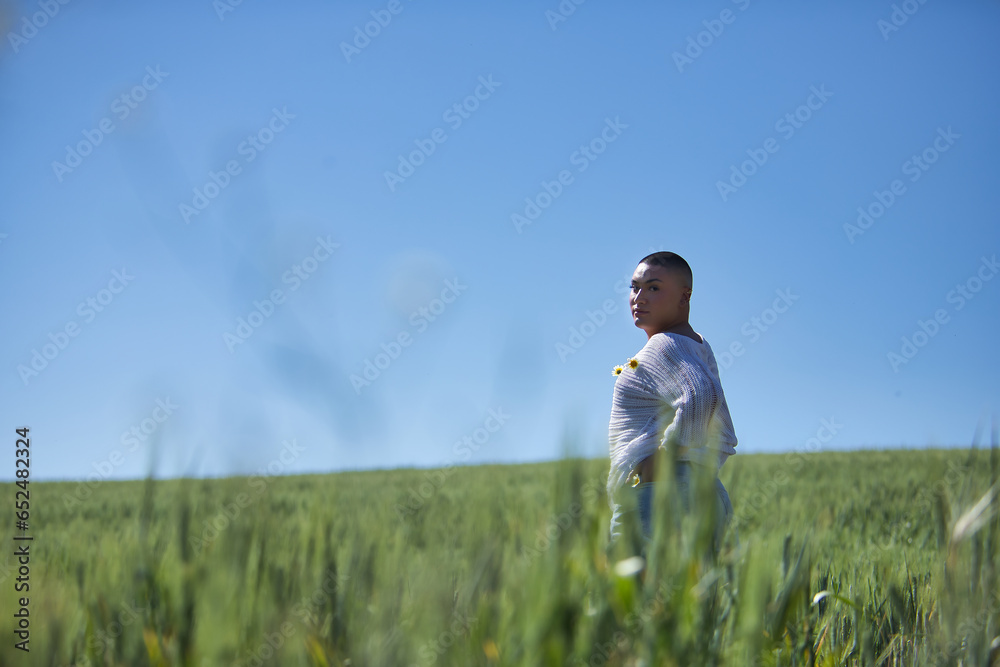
(673, 263)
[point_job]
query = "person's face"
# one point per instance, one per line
(659, 300)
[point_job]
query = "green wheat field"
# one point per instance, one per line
(832, 558)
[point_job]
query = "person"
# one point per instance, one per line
(669, 396)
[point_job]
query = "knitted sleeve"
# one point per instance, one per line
(674, 395)
(713, 365)
(723, 419)
(643, 403)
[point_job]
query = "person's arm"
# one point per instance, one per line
(643, 408)
(712, 365)
(727, 419)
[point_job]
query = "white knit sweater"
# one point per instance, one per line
(675, 394)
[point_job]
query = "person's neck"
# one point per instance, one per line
(684, 329)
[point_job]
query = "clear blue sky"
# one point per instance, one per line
(832, 104)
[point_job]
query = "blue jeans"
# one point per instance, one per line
(682, 473)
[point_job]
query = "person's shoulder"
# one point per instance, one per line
(709, 354)
(662, 338)
(665, 345)
(668, 341)
(660, 341)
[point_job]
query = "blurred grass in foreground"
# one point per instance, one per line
(849, 558)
